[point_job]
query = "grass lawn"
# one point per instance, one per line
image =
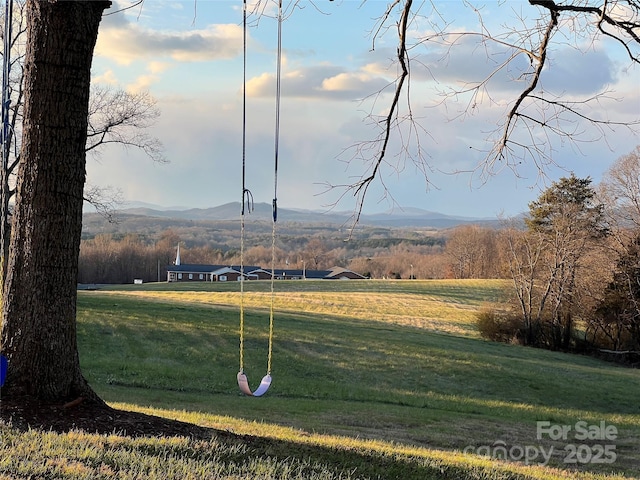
(371, 379)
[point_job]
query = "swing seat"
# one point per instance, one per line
(243, 383)
(4, 364)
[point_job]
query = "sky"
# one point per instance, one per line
(335, 75)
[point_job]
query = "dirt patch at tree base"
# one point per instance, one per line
(96, 418)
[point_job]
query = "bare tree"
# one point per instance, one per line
(615, 323)
(123, 118)
(620, 189)
(12, 88)
(314, 252)
(105, 200)
(525, 262)
(473, 252)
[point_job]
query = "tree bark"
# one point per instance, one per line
(39, 298)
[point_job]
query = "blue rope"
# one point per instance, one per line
(5, 144)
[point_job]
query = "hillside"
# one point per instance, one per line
(410, 217)
(147, 220)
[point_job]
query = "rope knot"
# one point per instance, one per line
(247, 200)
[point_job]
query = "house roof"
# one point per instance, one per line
(196, 268)
(335, 272)
(295, 272)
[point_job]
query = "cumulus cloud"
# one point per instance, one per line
(142, 83)
(108, 76)
(321, 81)
(125, 42)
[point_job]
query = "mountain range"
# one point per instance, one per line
(407, 217)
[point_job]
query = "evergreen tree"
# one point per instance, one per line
(567, 219)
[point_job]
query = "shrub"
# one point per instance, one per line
(499, 326)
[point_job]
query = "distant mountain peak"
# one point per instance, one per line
(405, 217)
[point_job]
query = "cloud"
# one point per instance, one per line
(143, 82)
(574, 72)
(157, 67)
(348, 82)
(126, 42)
(202, 119)
(320, 81)
(108, 77)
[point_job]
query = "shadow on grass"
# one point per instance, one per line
(232, 450)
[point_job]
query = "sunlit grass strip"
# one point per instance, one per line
(420, 311)
(79, 455)
(368, 447)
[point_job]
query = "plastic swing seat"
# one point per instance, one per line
(243, 383)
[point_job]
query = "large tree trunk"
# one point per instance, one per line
(39, 299)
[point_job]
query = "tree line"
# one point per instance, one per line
(575, 267)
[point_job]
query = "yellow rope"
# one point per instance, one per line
(242, 292)
(272, 308)
(245, 193)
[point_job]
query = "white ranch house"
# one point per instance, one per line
(232, 273)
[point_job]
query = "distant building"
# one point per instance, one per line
(233, 273)
(209, 273)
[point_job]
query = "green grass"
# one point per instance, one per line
(370, 380)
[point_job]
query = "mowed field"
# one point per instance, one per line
(371, 379)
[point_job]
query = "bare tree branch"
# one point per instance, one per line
(134, 4)
(106, 200)
(361, 187)
(534, 119)
(122, 117)
(541, 58)
(605, 19)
